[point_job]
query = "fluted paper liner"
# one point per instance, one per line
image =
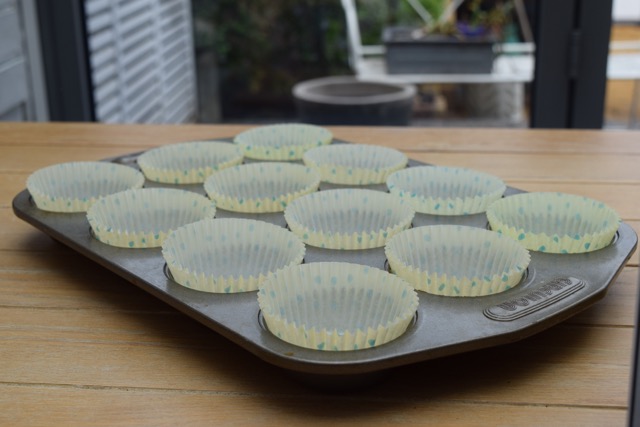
(142, 218)
(354, 164)
(441, 190)
(75, 186)
(282, 141)
(458, 261)
(555, 222)
(260, 187)
(188, 162)
(336, 306)
(348, 218)
(229, 255)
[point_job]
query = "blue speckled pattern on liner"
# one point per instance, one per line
(455, 260)
(229, 255)
(355, 164)
(442, 190)
(555, 222)
(282, 141)
(75, 186)
(335, 306)
(348, 218)
(142, 218)
(260, 187)
(188, 162)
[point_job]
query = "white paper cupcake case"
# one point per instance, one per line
(336, 306)
(75, 186)
(142, 218)
(188, 162)
(282, 141)
(229, 255)
(354, 164)
(260, 187)
(348, 218)
(458, 261)
(555, 222)
(441, 190)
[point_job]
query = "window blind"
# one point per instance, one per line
(142, 60)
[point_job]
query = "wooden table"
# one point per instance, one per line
(81, 346)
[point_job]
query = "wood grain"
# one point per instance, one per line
(81, 346)
(76, 406)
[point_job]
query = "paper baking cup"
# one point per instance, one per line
(555, 222)
(75, 186)
(260, 187)
(458, 261)
(282, 141)
(441, 190)
(142, 218)
(354, 164)
(188, 162)
(348, 218)
(336, 306)
(229, 255)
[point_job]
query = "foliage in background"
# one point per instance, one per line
(264, 47)
(375, 15)
(492, 15)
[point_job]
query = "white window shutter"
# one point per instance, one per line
(142, 60)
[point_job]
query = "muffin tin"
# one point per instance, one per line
(554, 288)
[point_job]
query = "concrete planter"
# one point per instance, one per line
(502, 101)
(408, 52)
(344, 100)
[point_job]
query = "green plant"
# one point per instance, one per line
(375, 15)
(407, 14)
(473, 17)
(264, 47)
(491, 15)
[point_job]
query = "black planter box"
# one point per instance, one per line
(432, 54)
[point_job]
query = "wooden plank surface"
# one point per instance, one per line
(81, 346)
(76, 406)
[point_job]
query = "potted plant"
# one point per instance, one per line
(461, 40)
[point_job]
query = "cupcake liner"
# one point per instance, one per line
(282, 141)
(75, 186)
(555, 222)
(354, 164)
(440, 190)
(142, 218)
(458, 261)
(348, 218)
(336, 306)
(260, 187)
(188, 162)
(229, 255)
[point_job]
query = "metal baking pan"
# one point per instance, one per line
(554, 288)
